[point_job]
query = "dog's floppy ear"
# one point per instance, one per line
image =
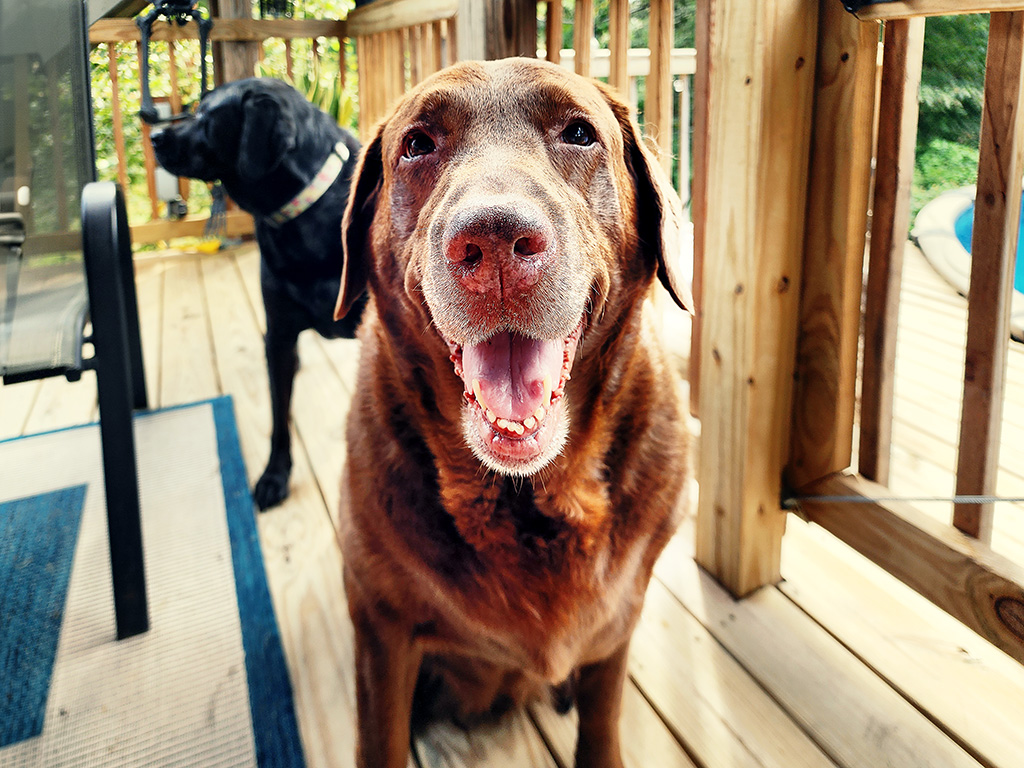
(355, 226)
(268, 134)
(659, 211)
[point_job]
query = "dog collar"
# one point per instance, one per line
(315, 189)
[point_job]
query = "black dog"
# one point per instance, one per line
(289, 165)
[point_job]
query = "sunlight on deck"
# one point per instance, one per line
(840, 665)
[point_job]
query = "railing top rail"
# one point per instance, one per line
(391, 15)
(234, 30)
(683, 61)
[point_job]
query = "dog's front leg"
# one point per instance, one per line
(599, 703)
(282, 361)
(387, 666)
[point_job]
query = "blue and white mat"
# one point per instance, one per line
(207, 685)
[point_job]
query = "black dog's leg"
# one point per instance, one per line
(282, 361)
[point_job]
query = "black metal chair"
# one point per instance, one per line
(45, 334)
(60, 273)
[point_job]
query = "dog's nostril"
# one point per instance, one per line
(473, 254)
(530, 246)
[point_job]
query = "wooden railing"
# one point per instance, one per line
(401, 42)
(784, 191)
(115, 33)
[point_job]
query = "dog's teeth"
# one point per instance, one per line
(516, 427)
(476, 391)
(502, 423)
(539, 414)
(547, 389)
(529, 422)
(491, 417)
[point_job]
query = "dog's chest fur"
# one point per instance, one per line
(540, 575)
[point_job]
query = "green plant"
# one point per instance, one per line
(322, 89)
(941, 165)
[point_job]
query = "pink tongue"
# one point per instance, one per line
(511, 371)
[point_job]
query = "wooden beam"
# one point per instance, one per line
(389, 14)
(118, 120)
(582, 34)
(237, 223)
(147, 153)
(965, 578)
(890, 224)
(658, 101)
(253, 30)
(993, 254)
(682, 61)
(837, 204)
(618, 44)
(237, 58)
(905, 9)
(698, 195)
(758, 136)
(553, 31)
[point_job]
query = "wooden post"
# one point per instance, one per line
(495, 29)
(760, 97)
(658, 102)
(683, 184)
(993, 251)
(115, 103)
(175, 98)
(837, 203)
(698, 196)
(618, 33)
(237, 60)
(582, 33)
(147, 155)
(553, 32)
(890, 222)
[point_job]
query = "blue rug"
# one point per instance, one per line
(208, 684)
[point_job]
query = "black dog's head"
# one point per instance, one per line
(246, 134)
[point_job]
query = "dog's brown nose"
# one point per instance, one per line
(499, 248)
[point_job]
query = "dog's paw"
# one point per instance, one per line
(271, 489)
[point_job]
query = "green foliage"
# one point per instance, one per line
(319, 84)
(940, 166)
(953, 79)
(952, 93)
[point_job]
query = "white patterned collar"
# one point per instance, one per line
(315, 189)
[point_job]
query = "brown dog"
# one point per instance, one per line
(515, 444)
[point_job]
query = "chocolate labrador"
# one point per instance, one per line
(515, 443)
(289, 165)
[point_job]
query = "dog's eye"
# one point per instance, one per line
(417, 144)
(579, 133)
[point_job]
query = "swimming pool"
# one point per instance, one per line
(942, 230)
(964, 227)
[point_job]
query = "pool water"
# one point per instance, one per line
(964, 226)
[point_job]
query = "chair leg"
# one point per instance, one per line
(103, 221)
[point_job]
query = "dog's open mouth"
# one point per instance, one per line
(515, 418)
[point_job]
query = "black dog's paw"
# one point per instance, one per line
(271, 489)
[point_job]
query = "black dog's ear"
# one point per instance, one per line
(659, 212)
(268, 134)
(355, 226)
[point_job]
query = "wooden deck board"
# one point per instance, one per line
(943, 668)
(835, 667)
(849, 712)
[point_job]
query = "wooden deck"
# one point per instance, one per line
(838, 666)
